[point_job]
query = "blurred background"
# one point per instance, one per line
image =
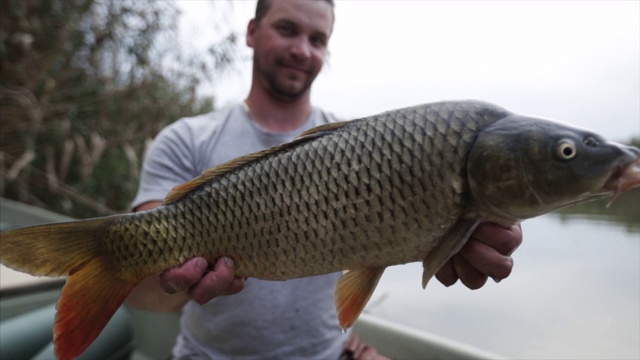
(85, 86)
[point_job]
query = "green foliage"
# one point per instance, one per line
(84, 86)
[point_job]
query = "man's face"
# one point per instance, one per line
(290, 45)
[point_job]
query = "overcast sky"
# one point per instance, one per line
(575, 61)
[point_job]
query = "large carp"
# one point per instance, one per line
(402, 186)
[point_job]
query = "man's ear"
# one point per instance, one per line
(251, 32)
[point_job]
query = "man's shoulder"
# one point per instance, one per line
(194, 131)
(200, 123)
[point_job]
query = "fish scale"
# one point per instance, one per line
(350, 147)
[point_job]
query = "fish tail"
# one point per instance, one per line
(93, 291)
(88, 301)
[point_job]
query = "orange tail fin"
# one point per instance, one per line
(88, 301)
(93, 291)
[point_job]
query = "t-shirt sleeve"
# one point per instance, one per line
(168, 162)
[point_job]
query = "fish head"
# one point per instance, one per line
(521, 167)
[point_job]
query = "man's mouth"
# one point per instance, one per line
(295, 67)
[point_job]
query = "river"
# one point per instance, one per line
(574, 292)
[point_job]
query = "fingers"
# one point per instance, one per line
(504, 240)
(360, 351)
(195, 278)
(184, 277)
(220, 281)
(354, 346)
(447, 273)
(469, 275)
(485, 260)
(486, 254)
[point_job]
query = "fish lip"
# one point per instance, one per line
(625, 178)
(630, 176)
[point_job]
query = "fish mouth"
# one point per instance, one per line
(625, 179)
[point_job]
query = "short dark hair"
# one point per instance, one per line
(264, 5)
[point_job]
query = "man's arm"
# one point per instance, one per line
(173, 288)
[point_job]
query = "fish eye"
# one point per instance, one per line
(566, 149)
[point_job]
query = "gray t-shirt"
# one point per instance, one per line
(268, 319)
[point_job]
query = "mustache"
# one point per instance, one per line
(300, 65)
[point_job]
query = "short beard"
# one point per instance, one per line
(282, 92)
(278, 89)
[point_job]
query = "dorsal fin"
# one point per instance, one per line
(322, 130)
(180, 191)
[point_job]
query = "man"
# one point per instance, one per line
(295, 318)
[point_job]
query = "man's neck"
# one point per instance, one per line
(277, 115)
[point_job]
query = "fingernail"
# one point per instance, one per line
(228, 260)
(496, 280)
(173, 288)
(201, 264)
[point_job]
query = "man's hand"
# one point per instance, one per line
(486, 254)
(354, 349)
(200, 282)
(192, 280)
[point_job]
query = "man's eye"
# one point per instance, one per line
(286, 30)
(317, 41)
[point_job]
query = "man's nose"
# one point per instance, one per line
(301, 48)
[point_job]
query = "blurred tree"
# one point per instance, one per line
(84, 86)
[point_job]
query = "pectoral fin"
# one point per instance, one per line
(450, 244)
(353, 292)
